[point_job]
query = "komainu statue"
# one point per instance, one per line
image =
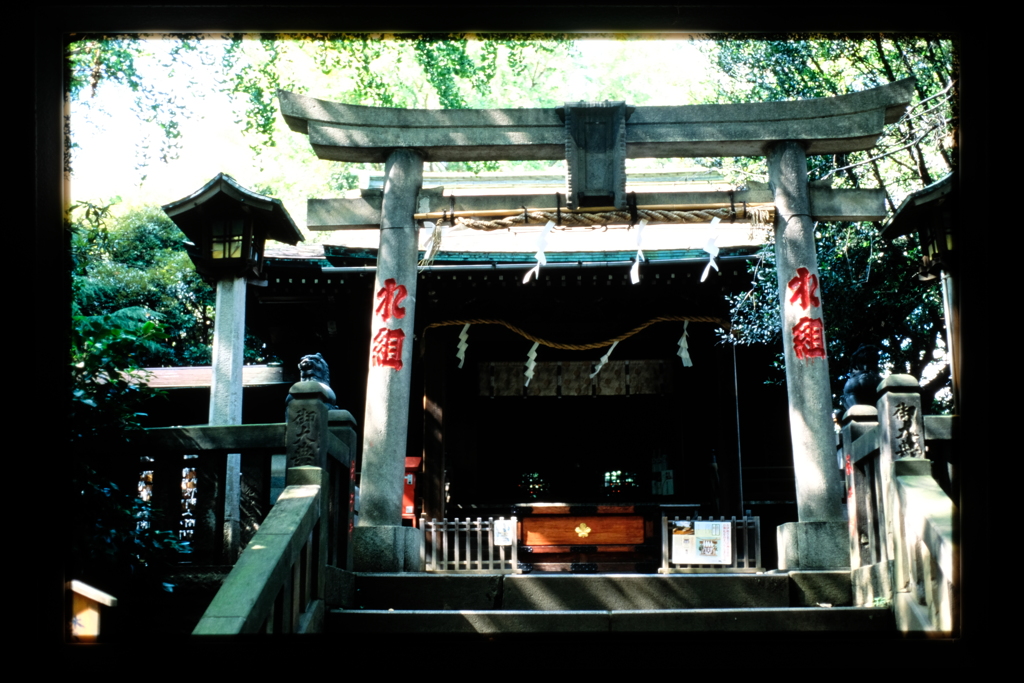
(862, 386)
(313, 368)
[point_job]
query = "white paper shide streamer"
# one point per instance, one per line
(431, 244)
(463, 345)
(634, 272)
(531, 363)
(684, 351)
(542, 243)
(712, 249)
(604, 360)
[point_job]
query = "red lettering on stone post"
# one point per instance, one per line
(387, 348)
(809, 338)
(805, 288)
(391, 294)
(849, 477)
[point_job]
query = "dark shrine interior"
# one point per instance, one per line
(482, 452)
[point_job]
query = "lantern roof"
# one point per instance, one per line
(223, 194)
(919, 209)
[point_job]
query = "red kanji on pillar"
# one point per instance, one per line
(809, 338)
(805, 289)
(849, 475)
(387, 348)
(391, 294)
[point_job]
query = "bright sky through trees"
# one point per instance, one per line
(110, 135)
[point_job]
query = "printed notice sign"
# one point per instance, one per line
(504, 531)
(701, 542)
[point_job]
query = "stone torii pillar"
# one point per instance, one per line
(381, 543)
(819, 539)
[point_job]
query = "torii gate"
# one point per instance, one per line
(595, 139)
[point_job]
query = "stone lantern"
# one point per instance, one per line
(228, 226)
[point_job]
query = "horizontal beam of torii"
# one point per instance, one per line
(364, 212)
(595, 139)
(832, 125)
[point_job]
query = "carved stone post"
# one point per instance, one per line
(306, 438)
(226, 396)
(380, 540)
(306, 434)
(857, 421)
(818, 540)
(901, 451)
(342, 425)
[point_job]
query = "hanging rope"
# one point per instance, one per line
(582, 347)
(758, 214)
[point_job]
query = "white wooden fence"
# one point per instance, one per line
(468, 545)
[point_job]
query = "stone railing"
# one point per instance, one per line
(292, 541)
(313, 436)
(902, 535)
(278, 583)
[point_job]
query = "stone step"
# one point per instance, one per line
(595, 592)
(863, 620)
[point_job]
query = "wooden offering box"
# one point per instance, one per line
(558, 537)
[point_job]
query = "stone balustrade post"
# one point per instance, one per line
(857, 421)
(901, 451)
(306, 438)
(307, 416)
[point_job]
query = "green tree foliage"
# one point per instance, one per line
(871, 294)
(405, 70)
(93, 60)
(110, 536)
(137, 261)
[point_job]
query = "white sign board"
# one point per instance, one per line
(504, 531)
(701, 542)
